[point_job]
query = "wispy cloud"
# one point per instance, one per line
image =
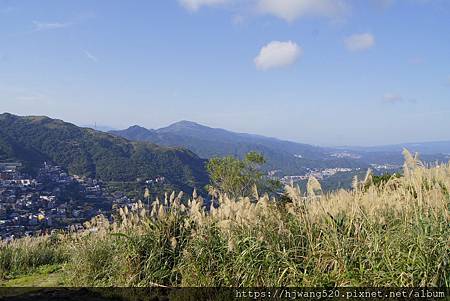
(77, 19)
(290, 10)
(42, 26)
(32, 97)
(393, 98)
(277, 54)
(359, 42)
(90, 56)
(194, 5)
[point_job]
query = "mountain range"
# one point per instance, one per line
(86, 152)
(289, 158)
(424, 148)
(285, 156)
(179, 152)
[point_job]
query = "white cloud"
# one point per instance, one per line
(194, 5)
(290, 10)
(277, 54)
(40, 26)
(90, 56)
(359, 42)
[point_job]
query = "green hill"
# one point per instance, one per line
(86, 152)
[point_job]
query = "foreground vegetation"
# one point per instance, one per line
(394, 233)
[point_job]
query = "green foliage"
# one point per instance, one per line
(379, 180)
(237, 177)
(85, 152)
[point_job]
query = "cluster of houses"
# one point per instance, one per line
(386, 167)
(318, 174)
(49, 201)
(54, 200)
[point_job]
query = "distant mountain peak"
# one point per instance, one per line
(186, 123)
(134, 130)
(136, 127)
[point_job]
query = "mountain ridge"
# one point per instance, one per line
(87, 152)
(193, 124)
(288, 156)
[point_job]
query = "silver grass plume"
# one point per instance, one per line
(146, 193)
(313, 186)
(166, 198)
(417, 159)
(410, 161)
(142, 213)
(368, 179)
(355, 183)
(173, 243)
(293, 193)
(255, 191)
(213, 192)
(172, 197)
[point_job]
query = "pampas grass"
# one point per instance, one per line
(393, 234)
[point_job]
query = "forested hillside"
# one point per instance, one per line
(82, 151)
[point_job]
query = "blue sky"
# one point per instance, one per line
(328, 72)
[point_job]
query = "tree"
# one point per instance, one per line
(237, 177)
(384, 178)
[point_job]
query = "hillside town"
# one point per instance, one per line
(319, 174)
(52, 200)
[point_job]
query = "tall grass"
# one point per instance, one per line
(393, 234)
(27, 254)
